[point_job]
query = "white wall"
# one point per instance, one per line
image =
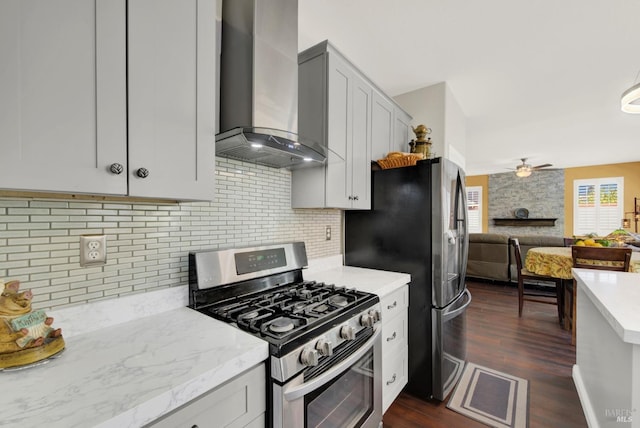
(148, 243)
(436, 107)
(455, 129)
(426, 106)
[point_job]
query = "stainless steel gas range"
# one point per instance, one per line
(324, 368)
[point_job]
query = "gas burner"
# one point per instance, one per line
(281, 325)
(298, 306)
(322, 308)
(305, 294)
(338, 300)
(249, 315)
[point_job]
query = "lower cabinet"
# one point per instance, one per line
(240, 402)
(394, 344)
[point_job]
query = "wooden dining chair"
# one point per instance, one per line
(602, 258)
(615, 259)
(555, 297)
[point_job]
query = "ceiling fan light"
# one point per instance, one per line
(630, 101)
(523, 172)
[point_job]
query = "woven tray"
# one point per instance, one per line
(398, 161)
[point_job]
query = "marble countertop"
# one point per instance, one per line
(370, 280)
(130, 360)
(617, 296)
(121, 371)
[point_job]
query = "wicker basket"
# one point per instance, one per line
(398, 161)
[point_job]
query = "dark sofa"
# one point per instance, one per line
(491, 257)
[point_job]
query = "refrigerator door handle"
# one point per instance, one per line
(450, 315)
(461, 198)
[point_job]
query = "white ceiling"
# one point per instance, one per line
(537, 79)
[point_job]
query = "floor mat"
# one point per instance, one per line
(494, 398)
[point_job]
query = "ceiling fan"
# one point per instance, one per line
(526, 169)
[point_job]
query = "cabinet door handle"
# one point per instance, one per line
(142, 172)
(116, 168)
(393, 305)
(355, 198)
(350, 198)
(392, 337)
(393, 379)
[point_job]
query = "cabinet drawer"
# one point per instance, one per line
(395, 303)
(394, 375)
(237, 403)
(394, 333)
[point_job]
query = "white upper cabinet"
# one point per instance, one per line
(349, 112)
(95, 92)
(402, 132)
(361, 145)
(341, 108)
(334, 109)
(171, 84)
(383, 122)
(391, 127)
(63, 95)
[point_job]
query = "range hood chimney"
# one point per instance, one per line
(259, 86)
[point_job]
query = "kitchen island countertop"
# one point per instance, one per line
(607, 369)
(616, 296)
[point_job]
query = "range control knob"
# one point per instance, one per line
(366, 320)
(309, 357)
(348, 332)
(375, 314)
(324, 347)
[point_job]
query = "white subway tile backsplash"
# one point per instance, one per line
(49, 218)
(44, 276)
(14, 264)
(14, 203)
(50, 204)
(148, 243)
(47, 232)
(86, 297)
(29, 211)
(28, 255)
(13, 233)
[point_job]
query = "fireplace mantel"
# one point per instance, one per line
(525, 222)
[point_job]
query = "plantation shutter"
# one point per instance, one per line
(474, 209)
(597, 206)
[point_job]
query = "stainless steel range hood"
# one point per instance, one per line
(259, 86)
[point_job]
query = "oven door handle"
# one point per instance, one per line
(305, 388)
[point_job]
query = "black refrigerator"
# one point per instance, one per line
(418, 225)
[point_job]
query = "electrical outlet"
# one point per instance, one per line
(93, 250)
(328, 233)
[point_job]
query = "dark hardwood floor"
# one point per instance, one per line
(533, 347)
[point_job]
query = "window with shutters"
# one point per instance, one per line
(474, 209)
(597, 205)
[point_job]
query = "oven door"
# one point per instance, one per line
(347, 393)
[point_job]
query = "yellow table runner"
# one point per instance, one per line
(557, 261)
